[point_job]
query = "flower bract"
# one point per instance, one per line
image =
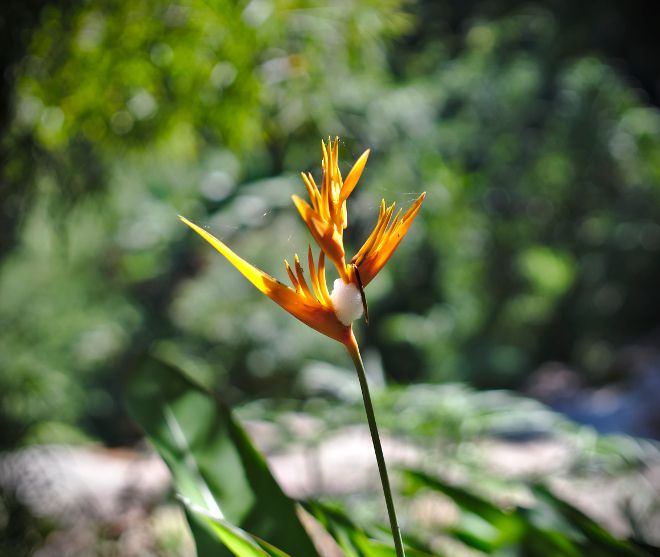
(326, 217)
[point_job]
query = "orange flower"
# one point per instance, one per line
(326, 219)
(329, 313)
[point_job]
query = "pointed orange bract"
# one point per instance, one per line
(317, 313)
(384, 239)
(326, 218)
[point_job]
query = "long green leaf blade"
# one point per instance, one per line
(213, 462)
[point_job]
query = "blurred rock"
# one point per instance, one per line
(85, 483)
(123, 490)
(628, 406)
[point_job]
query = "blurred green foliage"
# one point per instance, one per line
(214, 465)
(235, 507)
(539, 238)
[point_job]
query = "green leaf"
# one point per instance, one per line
(600, 539)
(464, 499)
(355, 541)
(214, 464)
(487, 528)
(551, 527)
(238, 541)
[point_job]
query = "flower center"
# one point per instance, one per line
(347, 301)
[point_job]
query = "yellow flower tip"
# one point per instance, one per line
(186, 221)
(353, 176)
(415, 206)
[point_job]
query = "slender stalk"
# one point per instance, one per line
(354, 351)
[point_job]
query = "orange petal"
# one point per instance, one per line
(376, 234)
(294, 280)
(380, 250)
(322, 283)
(301, 278)
(325, 234)
(353, 176)
(314, 279)
(307, 310)
(312, 190)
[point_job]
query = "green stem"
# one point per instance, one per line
(354, 351)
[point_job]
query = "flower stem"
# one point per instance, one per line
(354, 351)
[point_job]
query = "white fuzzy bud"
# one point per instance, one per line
(347, 301)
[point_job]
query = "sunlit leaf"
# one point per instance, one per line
(355, 541)
(214, 465)
(238, 541)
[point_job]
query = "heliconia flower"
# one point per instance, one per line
(329, 313)
(326, 219)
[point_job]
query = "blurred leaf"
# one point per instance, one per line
(535, 532)
(505, 529)
(213, 462)
(237, 540)
(467, 501)
(549, 271)
(352, 539)
(601, 540)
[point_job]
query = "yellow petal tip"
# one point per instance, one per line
(190, 224)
